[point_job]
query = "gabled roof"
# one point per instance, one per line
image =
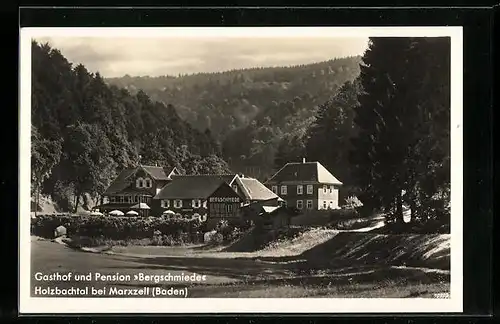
(304, 172)
(253, 189)
(225, 190)
(122, 181)
(158, 173)
(270, 209)
(193, 186)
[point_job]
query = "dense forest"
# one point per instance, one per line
(84, 131)
(249, 111)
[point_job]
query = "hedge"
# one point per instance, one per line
(114, 227)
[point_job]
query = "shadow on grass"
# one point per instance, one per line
(239, 269)
(303, 273)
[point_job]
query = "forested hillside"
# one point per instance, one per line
(249, 111)
(387, 134)
(84, 132)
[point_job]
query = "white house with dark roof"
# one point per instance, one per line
(306, 186)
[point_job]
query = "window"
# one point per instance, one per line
(300, 189)
(309, 204)
(331, 189)
(283, 190)
(196, 203)
(235, 188)
(331, 204)
(309, 189)
(112, 199)
(165, 203)
(177, 203)
(300, 204)
(148, 183)
(324, 204)
(275, 189)
(325, 188)
(120, 199)
(136, 199)
(130, 199)
(139, 183)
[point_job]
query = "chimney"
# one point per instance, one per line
(303, 160)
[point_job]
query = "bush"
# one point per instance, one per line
(352, 202)
(118, 228)
(343, 214)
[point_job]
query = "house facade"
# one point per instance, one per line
(134, 188)
(306, 186)
(153, 190)
(189, 194)
(224, 204)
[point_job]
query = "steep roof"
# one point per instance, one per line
(158, 173)
(122, 181)
(253, 189)
(193, 186)
(304, 172)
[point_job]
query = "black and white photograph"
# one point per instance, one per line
(235, 169)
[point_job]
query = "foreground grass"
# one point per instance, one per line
(354, 290)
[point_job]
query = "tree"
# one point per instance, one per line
(45, 154)
(290, 149)
(402, 123)
(328, 138)
(88, 160)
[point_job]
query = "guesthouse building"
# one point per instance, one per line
(306, 186)
(190, 194)
(134, 188)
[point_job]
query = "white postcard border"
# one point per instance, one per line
(35, 305)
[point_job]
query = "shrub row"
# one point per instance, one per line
(115, 227)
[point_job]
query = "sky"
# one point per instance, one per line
(116, 57)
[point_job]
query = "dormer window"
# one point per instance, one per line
(139, 183)
(235, 188)
(147, 183)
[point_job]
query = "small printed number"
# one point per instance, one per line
(442, 295)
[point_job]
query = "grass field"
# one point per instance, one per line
(332, 267)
